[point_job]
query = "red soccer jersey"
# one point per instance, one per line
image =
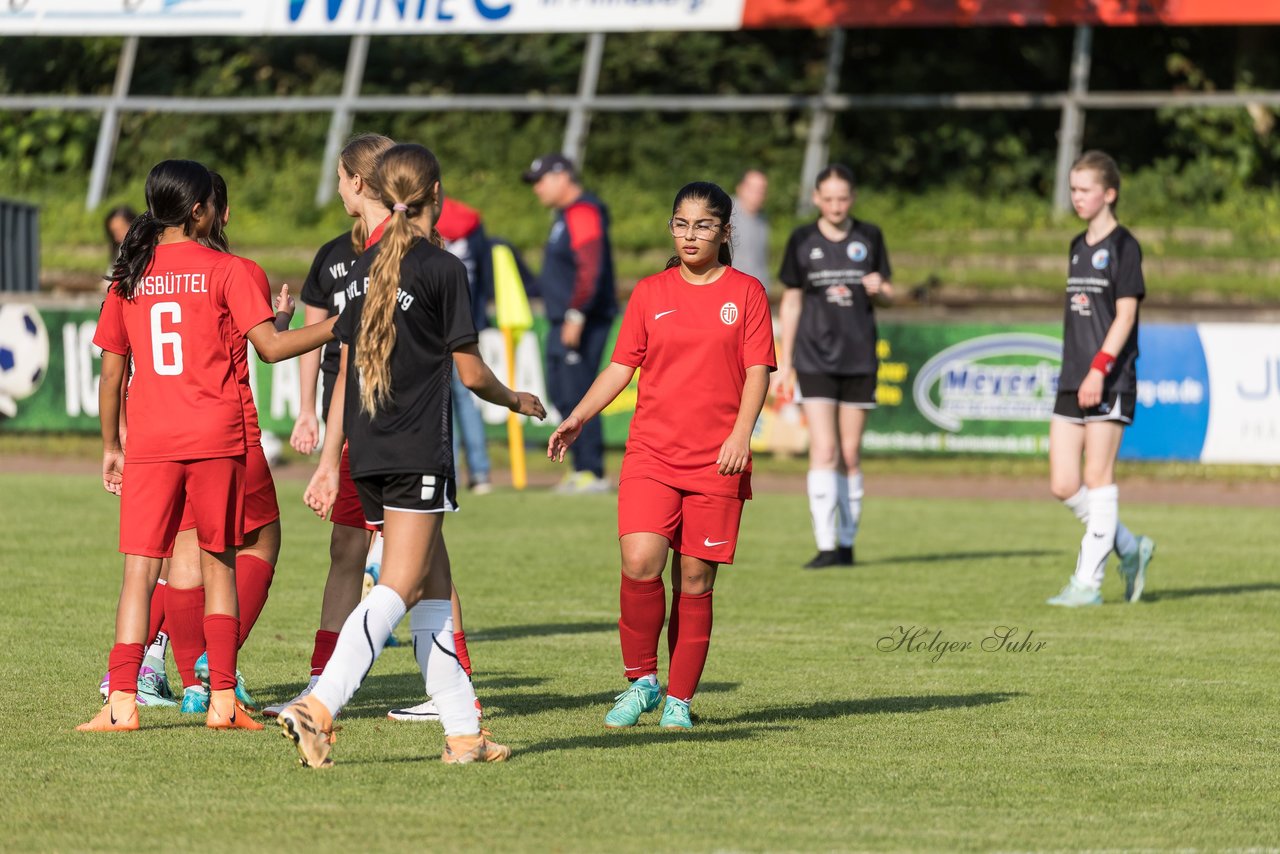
(182, 326)
(693, 345)
(240, 355)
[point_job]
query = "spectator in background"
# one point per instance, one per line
(751, 226)
(116, 225)
(464, 237)
(577, 289)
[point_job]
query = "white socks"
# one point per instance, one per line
(360, 642)
(159, 647)
(431, 621)
(1099, 536)
(849, 491)
(824, 499)
(1078, 504)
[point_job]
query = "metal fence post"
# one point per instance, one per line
(109, 131)
(1071, 131)
(340, 121)
(817, 150)
(575, 132)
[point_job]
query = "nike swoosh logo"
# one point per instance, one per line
(707, 542)
(663, 314)
(1099, 536)
(113, 716)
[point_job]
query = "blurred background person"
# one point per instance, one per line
(465, 238)
(577, 288)
(751, 226)
(116, 226)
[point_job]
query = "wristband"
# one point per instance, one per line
(1104, 362)
(574, 316)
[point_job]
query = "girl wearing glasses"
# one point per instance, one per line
(832, 269)
(702, 334)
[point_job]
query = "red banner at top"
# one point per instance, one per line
(766, 14)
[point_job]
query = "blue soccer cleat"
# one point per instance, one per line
(152, 688)
(1076, 595)
(675, 715)
(1133, 567)
(195, 700)
(628, 706)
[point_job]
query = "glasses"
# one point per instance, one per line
(701, 230)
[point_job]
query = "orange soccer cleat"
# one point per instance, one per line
(120, 714)
(226, 712)
(464, 749)
(309, 725)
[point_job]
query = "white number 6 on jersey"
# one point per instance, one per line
(159, 338)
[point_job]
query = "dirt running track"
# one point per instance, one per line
(960, 487)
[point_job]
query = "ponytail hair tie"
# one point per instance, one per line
(399, 206)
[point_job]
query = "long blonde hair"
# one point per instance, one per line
(360, 157)
(408, 181)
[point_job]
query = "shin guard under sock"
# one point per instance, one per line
(643, 608)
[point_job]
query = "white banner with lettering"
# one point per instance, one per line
(339, 17)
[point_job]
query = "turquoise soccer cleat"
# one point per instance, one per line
(1133, 567)
(152, 688)
(202, 667)
(243, 695)
(195, 700)
(1076, 595)
(628, 706)
(675, 715)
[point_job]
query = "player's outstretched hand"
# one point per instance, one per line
(735, 454)
(113, 471)
(566, 434)
(528, 404)
(322, 491)
(306, 433)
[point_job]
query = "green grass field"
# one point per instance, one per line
(1149, 726)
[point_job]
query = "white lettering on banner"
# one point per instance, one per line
(86, 378)
(71, 391)
(286, 391)
(529, 373)
(1244, 382)
(349, 17)
(1170, 392)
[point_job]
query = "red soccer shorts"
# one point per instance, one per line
(154, 495)
(260, 505)
(347, 509)
(701, 526)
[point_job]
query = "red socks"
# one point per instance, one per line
(123, 663)
(689, 651)
(221, 637)
(157, 610)
(323, 649)
(253, 581)
(184, 618)
(460, 647)
(643, 605)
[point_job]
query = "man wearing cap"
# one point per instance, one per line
(578, 293)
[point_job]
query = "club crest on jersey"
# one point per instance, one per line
(857, 251)
(1100, 259)
(815, 254)
(728, 314)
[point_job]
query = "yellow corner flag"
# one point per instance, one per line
(514, 318)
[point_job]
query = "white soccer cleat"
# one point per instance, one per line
(274, 711)
(421, 713)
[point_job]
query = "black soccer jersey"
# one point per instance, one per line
(324, 289)
(413, 431)
(837, 329)
(1099, 275)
